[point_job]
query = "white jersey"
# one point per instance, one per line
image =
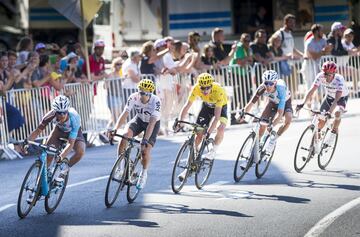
(337, 84)
(144, 111)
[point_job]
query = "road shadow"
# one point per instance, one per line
(314, 184)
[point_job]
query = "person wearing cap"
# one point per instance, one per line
(347, 42)
(40, 48)
(168, 69)
(96, 62)
(334, 39)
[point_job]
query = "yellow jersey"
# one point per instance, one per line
(215, 98)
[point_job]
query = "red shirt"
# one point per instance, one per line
(95, 67)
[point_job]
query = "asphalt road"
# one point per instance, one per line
(282, 203)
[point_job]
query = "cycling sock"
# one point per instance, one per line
(215, 147)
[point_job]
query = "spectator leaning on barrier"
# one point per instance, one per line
(241, 79)
(208, 57)
(259, 48)
(334, 39)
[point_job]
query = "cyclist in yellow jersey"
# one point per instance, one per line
(214, 109)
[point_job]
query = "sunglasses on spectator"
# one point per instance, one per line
(143, 93)
(118, 64)
(61, 112)
(205, 88)
(269, 83)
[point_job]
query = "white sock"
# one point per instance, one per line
(215, 147)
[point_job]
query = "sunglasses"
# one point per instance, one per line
(205, 88)
(143, 93)
(61, 112)
(118, 64)
(269, 83)
(328, 73)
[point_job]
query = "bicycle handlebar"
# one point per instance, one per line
(319, 112)
(195, 125)
(260, 119)
(130, 139)
(42, 146)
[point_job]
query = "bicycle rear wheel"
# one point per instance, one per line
(135, 169)
(327, 151)
(29, 188)
(205, 166)
(304, 149)
(244, 159)
(182, 164)
(265, 159)
(116, 181)
(56, 190)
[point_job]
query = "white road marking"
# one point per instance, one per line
(330, 218)
(3, 208)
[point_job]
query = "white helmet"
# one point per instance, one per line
(61, 104)
(270, 75)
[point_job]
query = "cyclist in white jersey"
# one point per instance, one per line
(336, 97)
(148, 110)
(278, 106)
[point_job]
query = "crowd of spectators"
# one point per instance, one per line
(52, 66)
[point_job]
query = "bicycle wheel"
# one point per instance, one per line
(182, 164)
(135, 169)
(29, 188)
(304, 149)
(56, 190)
(245, 158)
(327, 151)
(265, 159)
(204, 169)
(116, 181)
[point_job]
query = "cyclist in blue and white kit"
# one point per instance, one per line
(67, 124)
(279, 105)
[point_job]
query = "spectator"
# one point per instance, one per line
(166, 84)
(287, 39)
(24, 47)
(259, 48)
(243, 57)
(14, 74)
(334, 39)
(131, 73)
(113, 87)
(169, 41)
(258, 21)
(208, 57)
(216, 42)
(149, 57)
(347, 42)
(96, 62)
(184, 59)
(72, 71)
(193, 41)
(278, 56)
(314, 48)
(356, 28)
(40, 48)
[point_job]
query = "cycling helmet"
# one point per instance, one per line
(146, 85)
(329, 67)
(205, 79)
(61, 104)
(270, 75)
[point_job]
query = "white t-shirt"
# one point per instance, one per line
(288, 44)
(168, 61)
(347, 46)
(337, 84)
(128, 83)
(144, 111)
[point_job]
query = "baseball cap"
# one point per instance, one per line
(71, 55)
(337, 26)
(40, 46)
(99, 43)
(159, 43)
(348, 31)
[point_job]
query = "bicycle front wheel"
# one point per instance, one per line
(304, 149)
(56, 190)
(181, 167)
(245, 158)
(116, 181)
(327, 151)
(135, 169)
(205, 166)
(265, 159)
(30, 190)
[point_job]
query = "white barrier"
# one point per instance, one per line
(100, 103)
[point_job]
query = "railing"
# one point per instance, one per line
(100, 104)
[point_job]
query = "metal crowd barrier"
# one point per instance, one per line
(100, 103)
